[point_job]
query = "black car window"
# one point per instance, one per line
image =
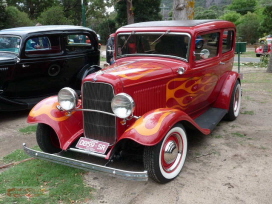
(43, 45)
(78, 43)
(208, 42)
(10, 44)
(173, 44)
(227, 40)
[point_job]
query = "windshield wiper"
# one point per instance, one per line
(125, 43)
(166, 32)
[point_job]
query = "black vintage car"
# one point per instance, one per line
(37, 61)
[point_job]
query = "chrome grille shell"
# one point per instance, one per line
(98, 126)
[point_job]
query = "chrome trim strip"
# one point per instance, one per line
(91, 110)
(129, 175)
(86, 152)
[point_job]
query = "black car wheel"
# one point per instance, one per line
(47, 139)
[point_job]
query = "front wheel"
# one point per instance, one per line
(165, 160)
(235, 102)
(47, 139)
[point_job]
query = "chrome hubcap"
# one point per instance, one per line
(170, 152)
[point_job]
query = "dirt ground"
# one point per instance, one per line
(232, 165)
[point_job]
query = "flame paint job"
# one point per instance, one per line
(152, 126)
(182, 92)
(67, 127)
(137, 70)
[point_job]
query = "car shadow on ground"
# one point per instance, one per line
(9, 116)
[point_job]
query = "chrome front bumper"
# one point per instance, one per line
(129, 175)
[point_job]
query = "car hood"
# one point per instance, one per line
(134, 72)
(7, 59)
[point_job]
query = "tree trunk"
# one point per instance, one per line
(130, 12)
(183, 9)
(269, 68)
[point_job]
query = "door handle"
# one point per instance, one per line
(222, 63)
(25, 65)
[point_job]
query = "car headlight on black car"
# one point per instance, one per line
(122, 105)
(67, 98)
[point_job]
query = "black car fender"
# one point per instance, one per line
(85, 71)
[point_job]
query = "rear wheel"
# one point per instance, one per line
(165, 160)
(47, 139)
(235, 102)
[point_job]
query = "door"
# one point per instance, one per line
(201, 79)
(39, 72)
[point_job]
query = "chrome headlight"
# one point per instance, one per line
(67, 98)
(122, 105)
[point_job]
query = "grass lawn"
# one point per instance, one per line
(38, 181)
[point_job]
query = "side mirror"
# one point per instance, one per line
(204, 54)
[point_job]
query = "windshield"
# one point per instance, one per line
(161, 43)
(9, 44)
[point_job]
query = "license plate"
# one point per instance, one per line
(92, 145)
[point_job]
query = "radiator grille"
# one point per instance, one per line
(98, 126)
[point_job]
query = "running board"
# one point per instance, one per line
(211, 118)
(129, 175)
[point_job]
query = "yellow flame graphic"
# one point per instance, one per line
(140, 124)
(47, 109)
(196, 90)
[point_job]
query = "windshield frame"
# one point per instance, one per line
(159, 34)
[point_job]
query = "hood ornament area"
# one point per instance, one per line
(100, 72)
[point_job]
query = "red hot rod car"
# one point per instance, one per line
(160, 86)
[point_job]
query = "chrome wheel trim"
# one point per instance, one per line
(173, 153)
(237, 100)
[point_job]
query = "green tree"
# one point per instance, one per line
(105, 28)
(212, 13)
(148, 10)
(248, 28)
(232, 16)
(54, 16)
(243, 6)
(3, 15)
(97, 11)
(266, 24)
(16, 18)
(73, 10)
(32, 7)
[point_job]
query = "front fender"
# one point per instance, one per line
(223, 100)
(68, 127)
(154, 125)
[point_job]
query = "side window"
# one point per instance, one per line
(207, 41)
(78, 43)
(227, 40)
(38, 43)
(43, 45)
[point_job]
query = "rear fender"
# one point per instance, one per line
(223, 100)
(68, 127)
(154, 125)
